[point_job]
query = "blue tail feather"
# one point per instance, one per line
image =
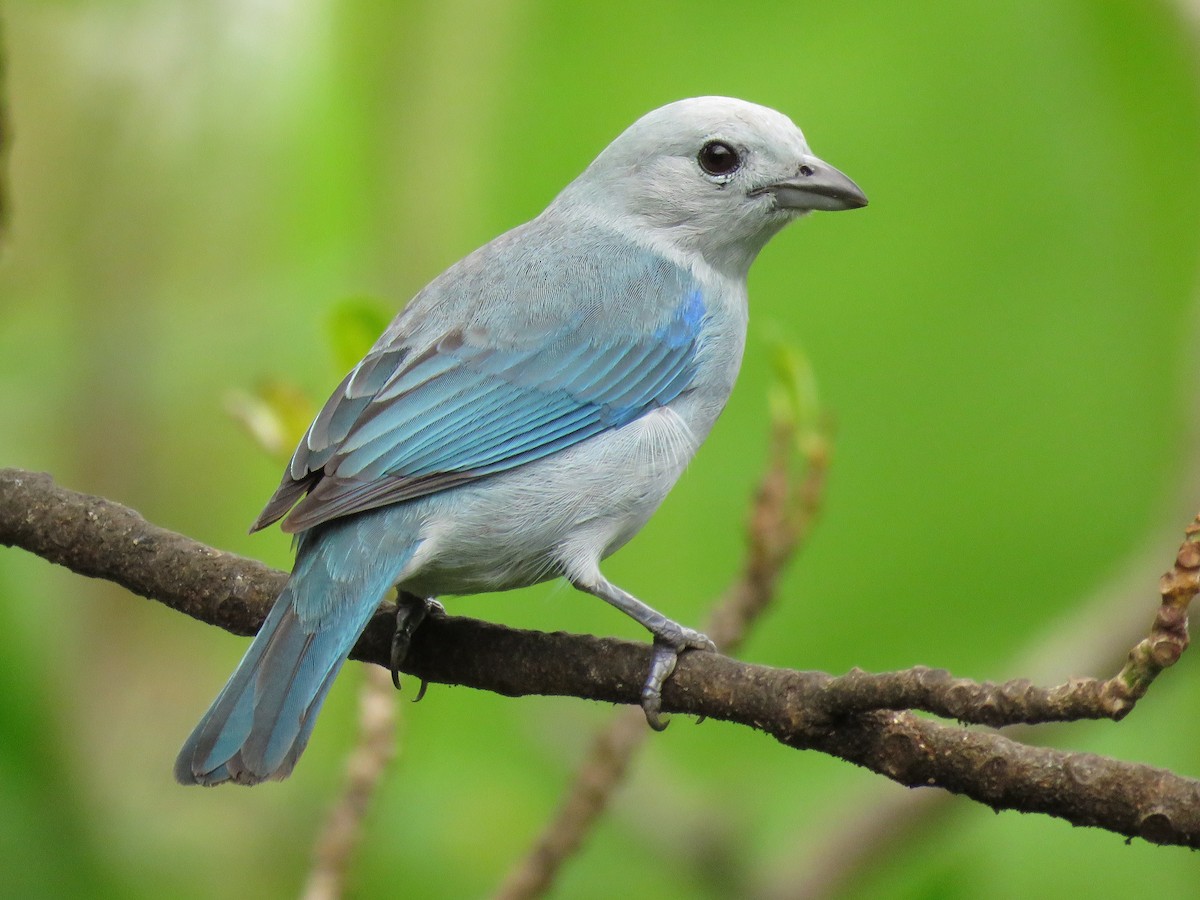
(260, 723)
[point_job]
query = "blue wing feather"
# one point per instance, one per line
(407, 423)
(489, 433)
(409, 379)
(546, 437)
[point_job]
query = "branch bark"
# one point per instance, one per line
(859, 717)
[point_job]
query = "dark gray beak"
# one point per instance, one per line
(816, 185)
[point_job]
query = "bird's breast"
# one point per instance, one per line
(510, 529)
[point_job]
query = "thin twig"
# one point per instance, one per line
(878, 822)
(365, 769)
(868, 829)
(599, 775)
(1168, 637)
(800, 709)
(782, 514)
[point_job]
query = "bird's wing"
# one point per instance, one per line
(407, 423)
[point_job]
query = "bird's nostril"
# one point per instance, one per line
(806, 171)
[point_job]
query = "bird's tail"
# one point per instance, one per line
(259, 724)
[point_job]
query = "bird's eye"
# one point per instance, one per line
(718, 158)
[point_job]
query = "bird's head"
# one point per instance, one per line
(710, 175)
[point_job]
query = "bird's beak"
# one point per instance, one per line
(816, 185)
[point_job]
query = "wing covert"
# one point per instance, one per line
(404, 423)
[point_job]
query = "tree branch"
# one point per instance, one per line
(857, 717)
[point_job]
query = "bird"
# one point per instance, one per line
(525, 413)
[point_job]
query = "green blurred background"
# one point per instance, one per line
(1005, 338)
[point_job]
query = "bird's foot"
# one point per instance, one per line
(411, 611)
(669, 642)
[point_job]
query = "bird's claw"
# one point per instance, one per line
(411, 611)
(663, 660)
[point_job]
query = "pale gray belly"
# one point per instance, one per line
(520, 527)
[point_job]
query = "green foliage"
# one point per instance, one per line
(1004, 337)
(274, 415)
(276, 412)
(354, 325)
(792, 395)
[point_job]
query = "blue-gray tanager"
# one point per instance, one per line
(525, 414)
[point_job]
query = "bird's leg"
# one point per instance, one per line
(670, 639)
(411, 611)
